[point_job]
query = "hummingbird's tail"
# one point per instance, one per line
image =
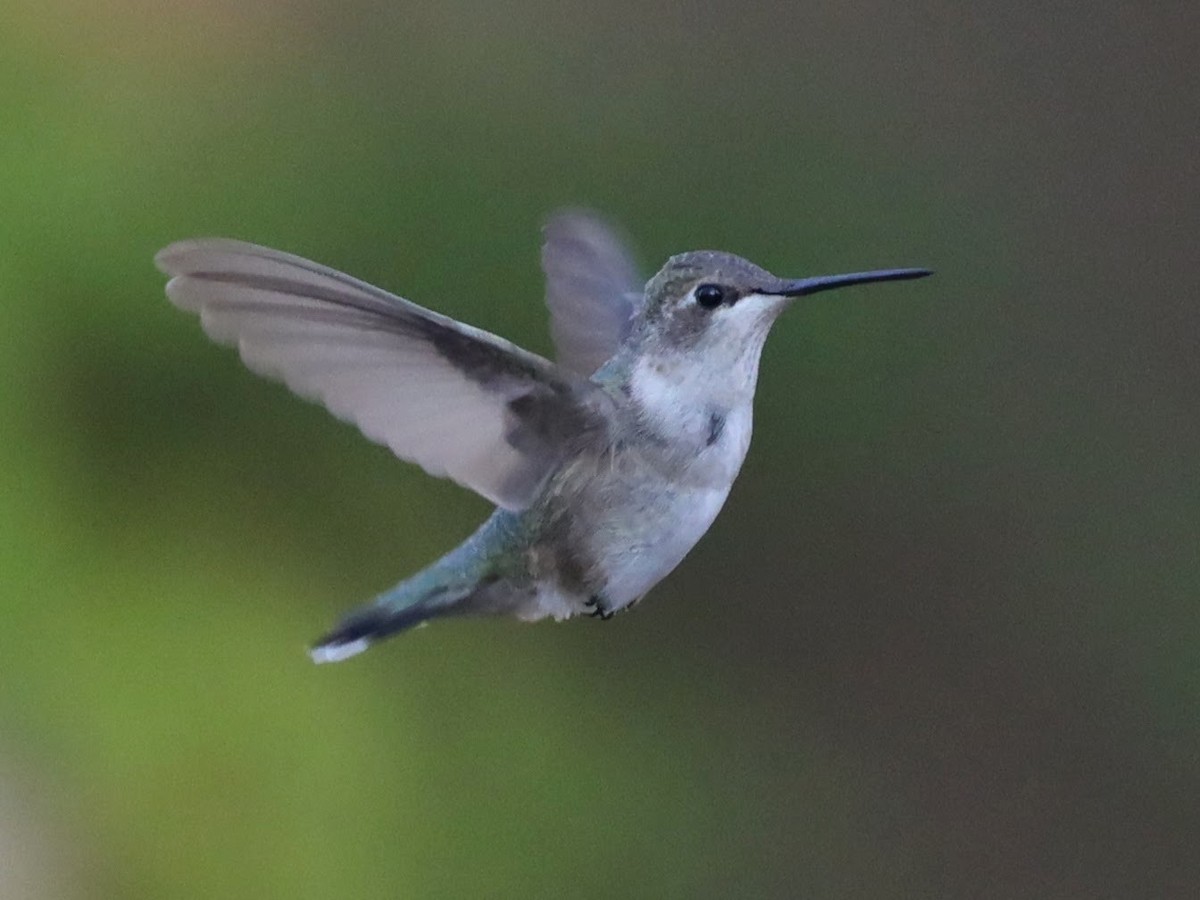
(360, 629)
(471, 579)
(407, 605)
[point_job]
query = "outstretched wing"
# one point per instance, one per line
(592, 289)
(458, 401)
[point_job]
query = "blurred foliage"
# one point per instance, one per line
(944, 639)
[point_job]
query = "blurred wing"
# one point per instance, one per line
(456, 400)
(592, 289)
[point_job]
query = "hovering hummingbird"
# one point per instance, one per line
(606, 467)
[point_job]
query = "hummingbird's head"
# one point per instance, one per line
(693, 351)
(721, 305)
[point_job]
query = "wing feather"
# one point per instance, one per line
(460, 402)
(592, 289)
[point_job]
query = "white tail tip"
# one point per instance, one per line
(330, 653)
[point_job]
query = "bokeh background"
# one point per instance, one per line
(944, 641)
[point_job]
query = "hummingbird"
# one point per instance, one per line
(606, 467)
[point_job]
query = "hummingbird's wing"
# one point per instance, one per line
(592, 289)
(459, 401)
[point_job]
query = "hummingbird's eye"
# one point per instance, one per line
(710, 296)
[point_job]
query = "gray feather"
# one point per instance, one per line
(460, 402)
(592, 289)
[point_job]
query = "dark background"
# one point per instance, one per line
(944, 640)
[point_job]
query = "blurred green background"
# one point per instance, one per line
(944, 641)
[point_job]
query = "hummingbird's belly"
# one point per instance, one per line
(620, 524)
(636, 552)
(627, 541)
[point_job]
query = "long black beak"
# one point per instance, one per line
(802, 287)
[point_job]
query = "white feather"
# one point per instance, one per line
(330, 653)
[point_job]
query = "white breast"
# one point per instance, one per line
(650, 553)
(686, 470)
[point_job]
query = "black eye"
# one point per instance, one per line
(710, 296)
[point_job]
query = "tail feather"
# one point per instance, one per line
(465, 581)
(393, 612)
(362, 628)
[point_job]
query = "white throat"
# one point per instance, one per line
(699, 400)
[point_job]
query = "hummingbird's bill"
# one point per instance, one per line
(802, 287)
